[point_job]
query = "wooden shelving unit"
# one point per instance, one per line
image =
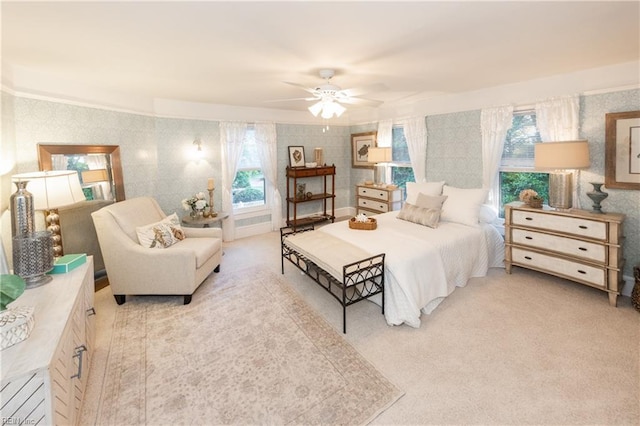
(327, 196)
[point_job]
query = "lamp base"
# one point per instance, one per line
(380, 174)
(561, 190)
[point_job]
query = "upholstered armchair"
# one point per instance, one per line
(174, 261)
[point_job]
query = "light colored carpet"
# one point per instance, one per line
(247, 350)
(524, 348)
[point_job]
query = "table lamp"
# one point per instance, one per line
(560, 158)
(51, 190)
(380, 157)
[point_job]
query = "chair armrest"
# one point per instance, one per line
(202, 232)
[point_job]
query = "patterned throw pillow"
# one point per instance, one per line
(161, 234)
(420, 215)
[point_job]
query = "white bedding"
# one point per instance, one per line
(423, 265)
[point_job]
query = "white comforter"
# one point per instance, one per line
(424, 265)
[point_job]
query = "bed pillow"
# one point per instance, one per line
(162, 234)
(420, 215)
(428, 188)
(429, 201)
(462, 205)
(487, 214)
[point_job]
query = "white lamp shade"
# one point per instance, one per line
(379, 155)
(561, 155)
(315, 109)
(52, 189)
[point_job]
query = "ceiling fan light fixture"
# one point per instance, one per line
(315, 108)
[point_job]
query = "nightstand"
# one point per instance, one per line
(372, 199)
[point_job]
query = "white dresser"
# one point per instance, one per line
(372, 200)
(44, 376)
(574, 244)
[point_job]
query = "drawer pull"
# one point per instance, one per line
(582, 248)
(582, 272)
(528, 257)
(528, 238)
(528, 218)
(91, 311)
(583, 227)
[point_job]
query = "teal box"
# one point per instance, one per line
(68, 263)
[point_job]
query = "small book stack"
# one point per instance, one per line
(68, 263)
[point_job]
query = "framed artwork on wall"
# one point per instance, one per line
(296, 156)
(360, 144)
(622, 150)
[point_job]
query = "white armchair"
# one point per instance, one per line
(137, 270)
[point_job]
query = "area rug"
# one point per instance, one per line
(247, 350)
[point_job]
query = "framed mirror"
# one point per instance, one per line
(99, 167)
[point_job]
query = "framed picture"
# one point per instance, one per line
(622, 150)
(360, 144)
(296, 156)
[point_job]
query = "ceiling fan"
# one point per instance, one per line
(329, 97)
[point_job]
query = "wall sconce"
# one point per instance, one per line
(198, 144)
(380, 157)
(560, 158)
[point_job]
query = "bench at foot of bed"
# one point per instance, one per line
(345, 271)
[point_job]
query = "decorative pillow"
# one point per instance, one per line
(487, 214)
(430, 202)
(419, 215)
(161, 234)
(427, 188)
(462, 205)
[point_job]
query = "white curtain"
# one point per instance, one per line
(494, 125)
(385, 133)
(415, 132)
(231, 139)
(266, 141)
(558, 120)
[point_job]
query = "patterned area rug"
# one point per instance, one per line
(247, 350)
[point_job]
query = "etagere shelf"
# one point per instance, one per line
(326, 197)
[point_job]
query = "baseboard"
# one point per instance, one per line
(627, 287)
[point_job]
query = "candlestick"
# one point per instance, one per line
(211, 213)
(210, 184)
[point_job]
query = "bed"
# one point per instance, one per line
(422, 264)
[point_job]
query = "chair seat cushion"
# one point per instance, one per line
(204, 248)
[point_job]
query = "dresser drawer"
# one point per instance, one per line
(569, 246)
(571, 225)
(562, 267)
(373, 205)
(378, 194)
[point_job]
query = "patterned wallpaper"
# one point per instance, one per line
(157, 161)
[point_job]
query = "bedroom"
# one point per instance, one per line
(153, 133)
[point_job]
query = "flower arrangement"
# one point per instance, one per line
(530, 197)
(195, 202)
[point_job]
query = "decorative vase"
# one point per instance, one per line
(193, 213)
(597, 195)
(22, 210)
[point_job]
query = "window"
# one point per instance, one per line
(401, 170)
(516, 169)
(249, 185)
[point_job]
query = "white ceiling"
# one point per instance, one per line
(241, 53)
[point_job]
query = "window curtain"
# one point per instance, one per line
(266, 141)
(232, 136)
(558, 119)
(385, 133)
(415, 132)
(494, 125)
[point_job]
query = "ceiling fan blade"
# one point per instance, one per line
(300, 86)
(357, 91)
(360, 101)
(292, 99)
